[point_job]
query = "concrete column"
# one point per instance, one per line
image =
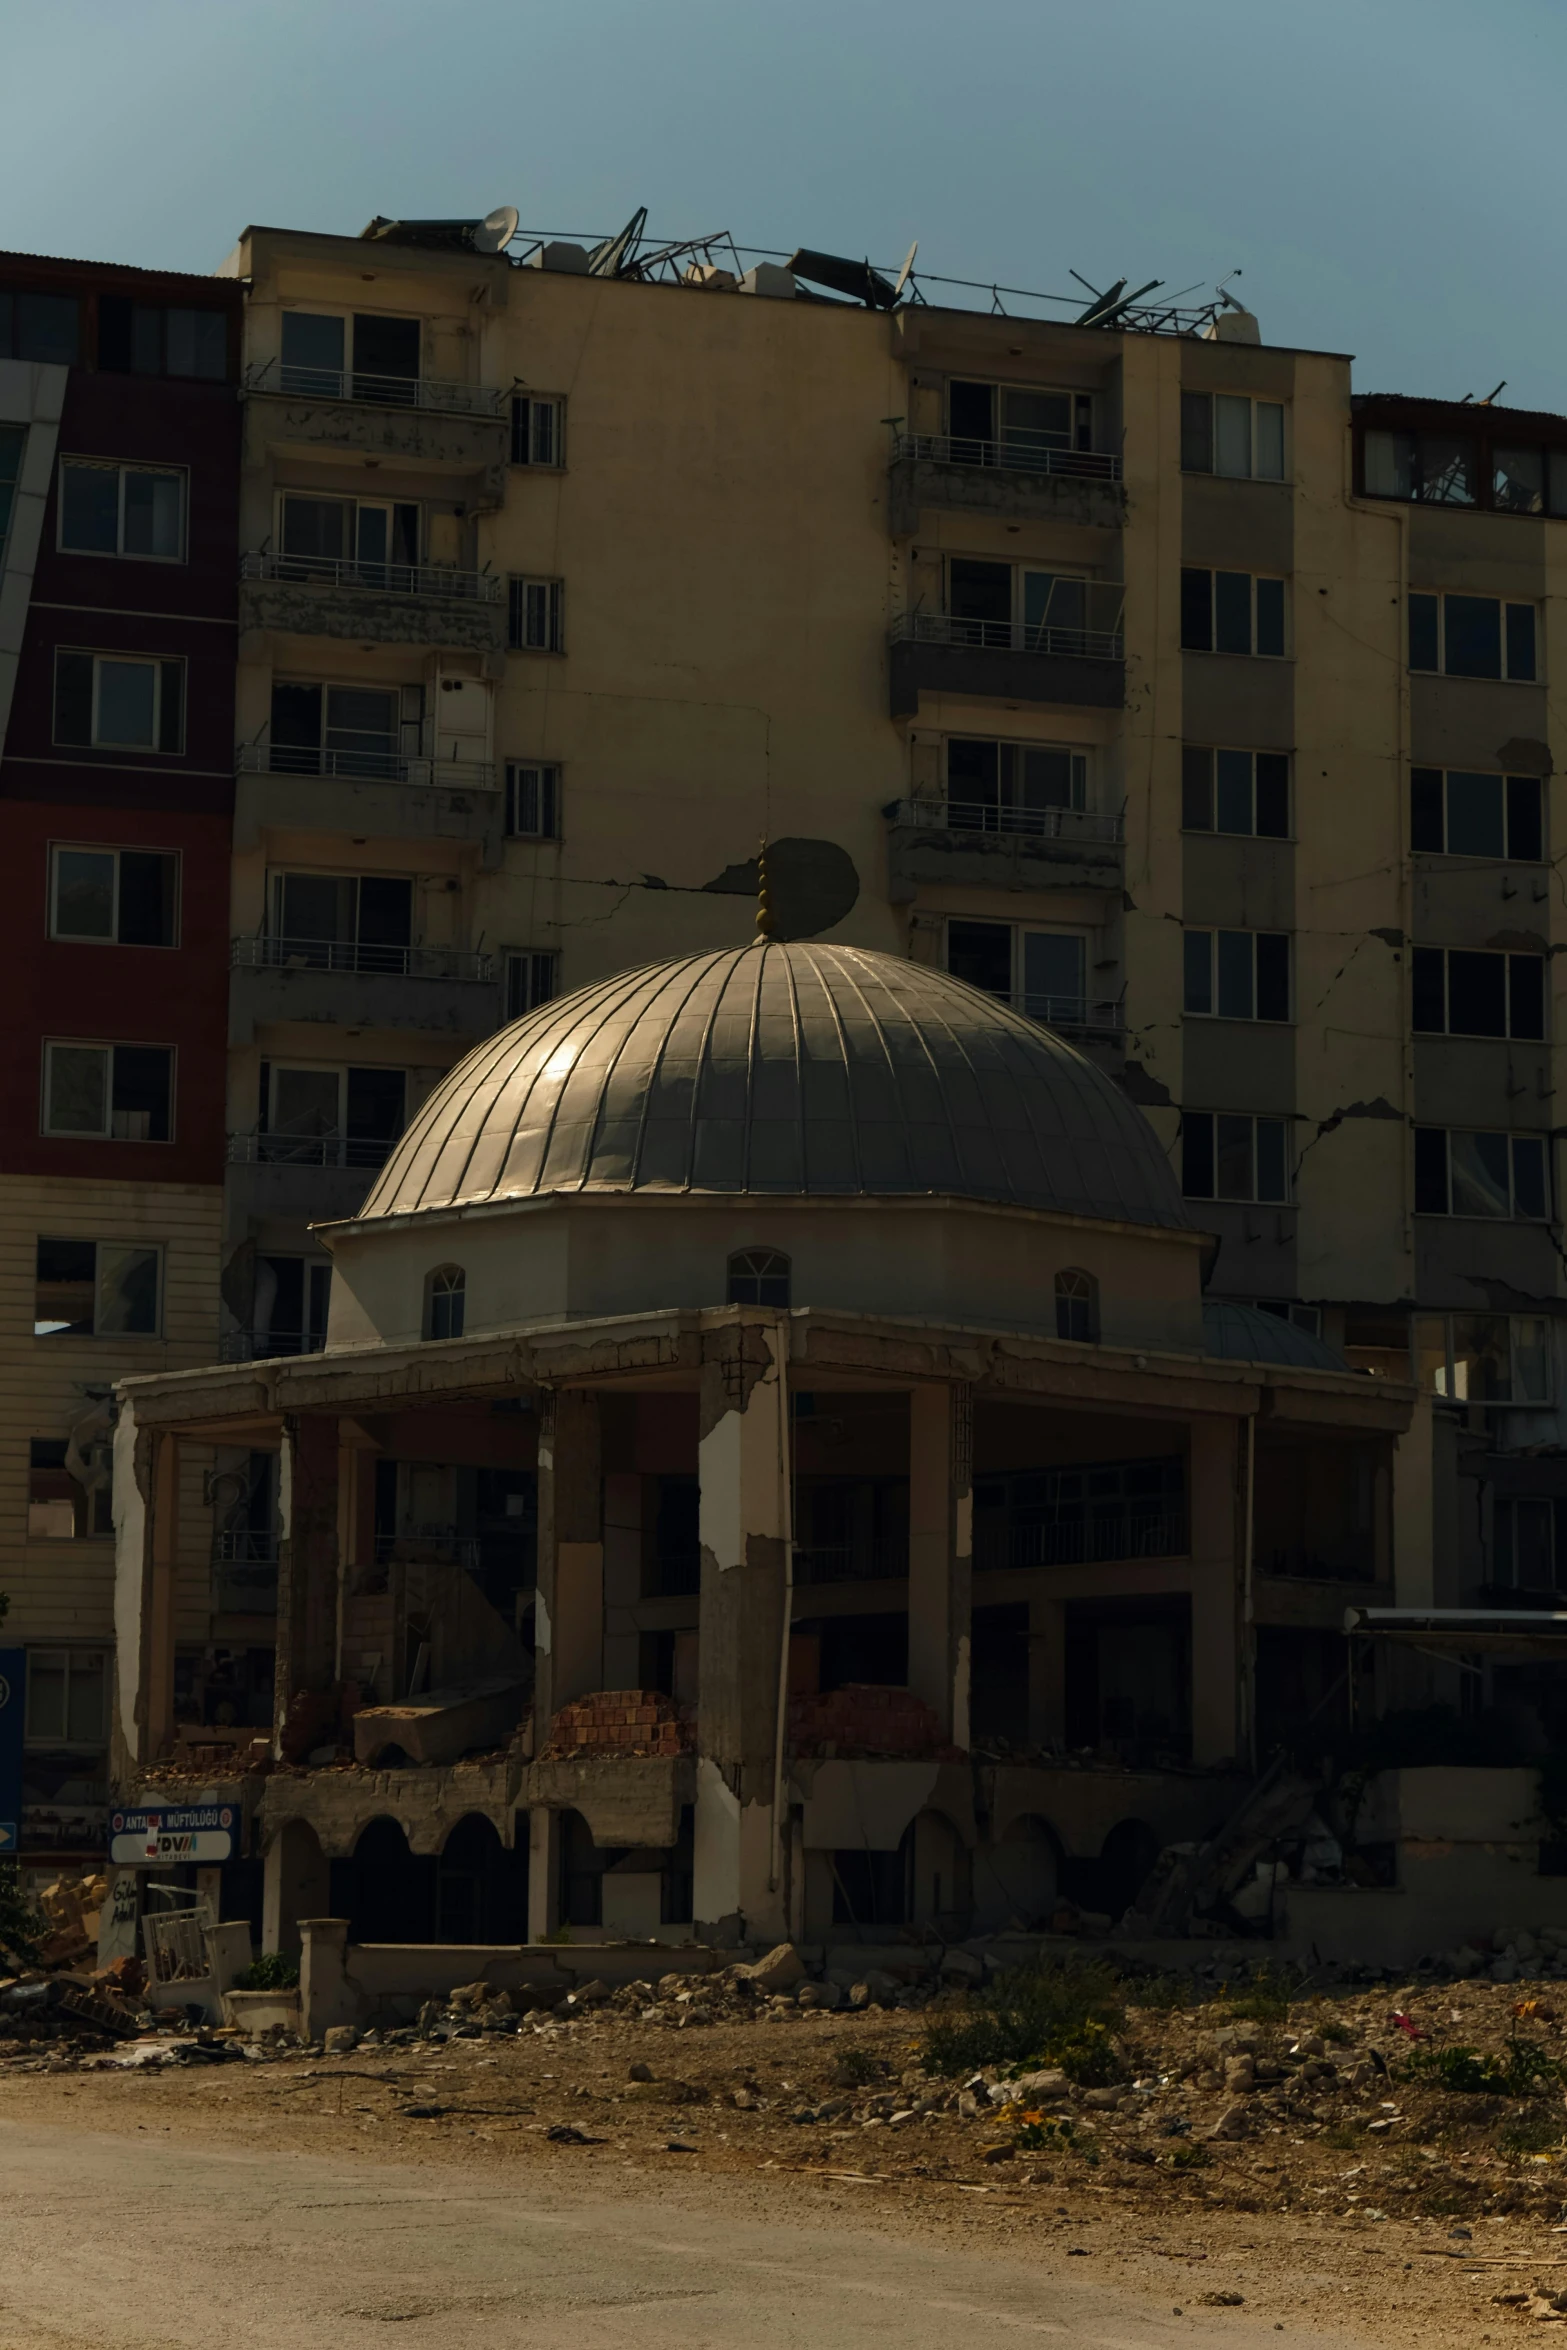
(1047, 1672)
(744, 1472)
(543, 1873)
(622, 1580)
(307, 1597)
(162, 1573)
(1215, 1468)
(941, 1545)
(295, 1883)
(569, 1617)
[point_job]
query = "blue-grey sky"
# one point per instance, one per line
(1384, 173)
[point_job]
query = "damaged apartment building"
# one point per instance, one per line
(1130, 670)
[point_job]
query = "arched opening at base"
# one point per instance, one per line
(481, 1889)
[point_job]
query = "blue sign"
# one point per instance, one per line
(152, 1839)
(13, 1708)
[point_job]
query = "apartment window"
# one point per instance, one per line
(1226, 1156)
(1011, 787)
(1235, 791)
(342, 921)
(147, 338)
(1528, 1543)
(1227, 433)
(1473, 992)
(41, 327)
(1077, 1305)
(1498, 1175)
(113, 1092)
(13, 440)
(1460, 813)
(1429, 468)
(1012, 424)
(1011, 606)
(59, 1509)
(115, 702)
(447, 1302)
(1529, 480)
(96, 1289)
(114, 897)
(289, 1306)
(122, 510)
(1238, 974)
(1040, 972)
(378, 539)
(365, 357)
(759, 1277)
(1231, 612)
(1484, 1358)
(350, 730)
(534, 616)
(1471, 636)
(320, 1115)
(532, 801)
(67, 1696)
(538, 431)
(532, 978)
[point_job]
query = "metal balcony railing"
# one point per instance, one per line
(388, 579)
(1316, 1566)
(308, 1150)
(379, 763)
(1018, 453)
(244, 1546)
(1086, 1539)
(675, 1574)
(851, 1562)
(1071, 639)
(1068, 824)
(381, 391)
(369, 959)
(428, 1546)
(1085, 1015)
(265, 1346)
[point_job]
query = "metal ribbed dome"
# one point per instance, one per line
(781, 1069)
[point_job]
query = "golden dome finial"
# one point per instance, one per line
(764, 904)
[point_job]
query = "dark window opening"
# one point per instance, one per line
(759, 1277)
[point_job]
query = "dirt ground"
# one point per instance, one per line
(1356, 2189)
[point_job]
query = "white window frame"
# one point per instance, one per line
(279, 1063)
(1217, 571)
(97, 1657)
(93, 1044)
(545, 788)
(520, 586)
(1213, 934)
(1504, 605)
(1213, 752)
(158, 663)
(523, 965)
(1255, 1197)
(152, 1248)
(120, 553)
(1514, 1215)
(537, 405)
(1502, 777)
(10, 483)
(96, 848)
(1428, 1328)
(1251, 403)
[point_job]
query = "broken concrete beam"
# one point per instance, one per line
(443, 1725)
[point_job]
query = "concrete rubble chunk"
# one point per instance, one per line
(1230, 2124)
(339, 2040)
(819, 1995)
(780, 1970)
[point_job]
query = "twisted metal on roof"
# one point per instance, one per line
(782, 1068)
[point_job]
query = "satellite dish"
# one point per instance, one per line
(496, 230)
(906, 272)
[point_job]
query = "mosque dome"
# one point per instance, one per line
(781, 1069)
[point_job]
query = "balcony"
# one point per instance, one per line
(372, 603)
(301, 1179)
(1015, 479)
(1075, 666)
(346, 984)
(1073, 1538)
(244, 1571)
(971, 843)
(365, 796)
(452, 427)
(883, 1558)
(1086, 1018)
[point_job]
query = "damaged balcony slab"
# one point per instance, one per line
(624, 1801)
(338, 1803)
(925, 476)
(924, 852)
(985, 673)
(262, 1190)
(438, 439)
(263, 995)
(361, 809)
(441, 1726)
(306, 608)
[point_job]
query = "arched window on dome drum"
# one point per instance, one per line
(1077, 1305)
(758, 1277)
(446, 1298)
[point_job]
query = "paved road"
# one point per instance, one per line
(113, 2243)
